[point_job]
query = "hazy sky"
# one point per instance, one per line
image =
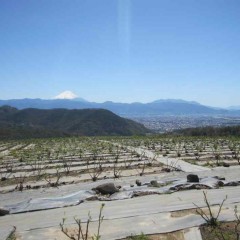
(121, 50)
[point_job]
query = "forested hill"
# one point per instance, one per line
(32, 122)
(210, 131)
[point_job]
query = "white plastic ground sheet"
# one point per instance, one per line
(149, 214)
(49, 203)
(126, 192)
(192, 234)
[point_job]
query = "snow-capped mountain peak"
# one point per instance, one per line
(66, 95)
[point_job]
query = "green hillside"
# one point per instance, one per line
(31, 122)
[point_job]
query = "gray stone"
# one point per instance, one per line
(3, 211)
(138, 182)
(154, 183)
(106, 188)
(220, 183)
(226, 164)
(192, 178)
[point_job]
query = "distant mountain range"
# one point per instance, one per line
(31, 122)
(156, 108)
(234, 108)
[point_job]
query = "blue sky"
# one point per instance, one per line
(121, 50)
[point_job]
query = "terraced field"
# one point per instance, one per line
(49, 174)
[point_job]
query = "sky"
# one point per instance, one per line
(121, 50)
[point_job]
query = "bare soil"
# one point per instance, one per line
(225, 231)
(178, 235)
